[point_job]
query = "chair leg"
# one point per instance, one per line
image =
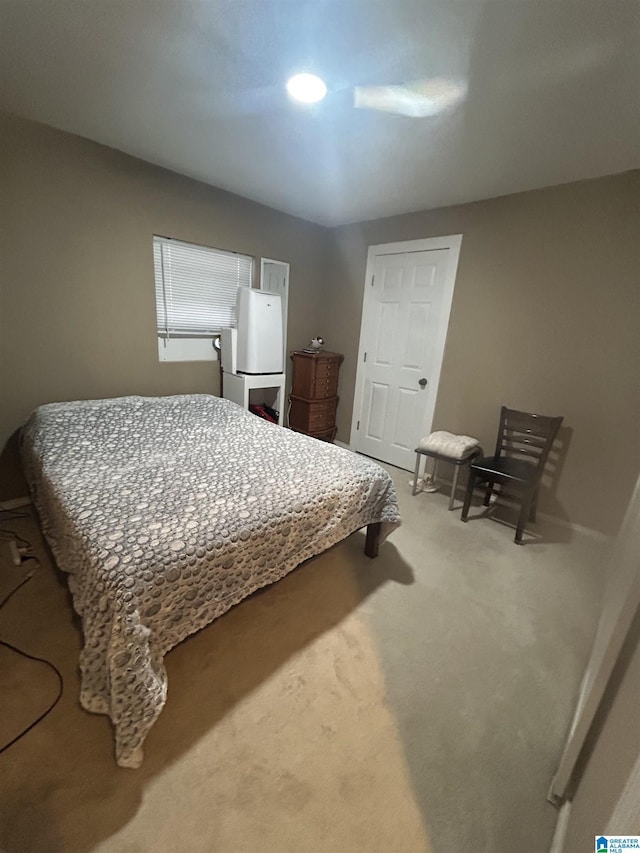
(454, 485)
(416, 474)
(487, 494)
(468, 495)
(524, 512)
(534, 507)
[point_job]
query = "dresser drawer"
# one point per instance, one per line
(321, 421)
(314, 393)
(321, 434)
(325, 387)
(325, 369)
(310, 415)
(315, 375)
(323, 407)
(325, 435)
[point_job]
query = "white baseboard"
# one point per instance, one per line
(342, 444)
(547, 518)
(580, 529)
(557, 843)
(597, 535)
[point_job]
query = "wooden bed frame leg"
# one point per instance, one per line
(373, 539)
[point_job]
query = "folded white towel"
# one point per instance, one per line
(448, 444)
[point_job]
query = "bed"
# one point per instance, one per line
(167, 511)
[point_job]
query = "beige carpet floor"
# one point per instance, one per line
(416, 703)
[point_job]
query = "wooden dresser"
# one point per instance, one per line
(314, 393)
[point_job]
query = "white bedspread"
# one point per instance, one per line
(166, 512)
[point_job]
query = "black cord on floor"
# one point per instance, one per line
(16, 588)
(8, 535)
(51, 706)
(26, 654)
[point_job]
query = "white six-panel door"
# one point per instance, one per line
(405, 316)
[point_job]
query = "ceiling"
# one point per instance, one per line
(552, 92)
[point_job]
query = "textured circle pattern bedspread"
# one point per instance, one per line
(167, 511)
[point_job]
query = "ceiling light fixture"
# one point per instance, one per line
(306, 88)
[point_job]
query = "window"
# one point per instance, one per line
(196, 290)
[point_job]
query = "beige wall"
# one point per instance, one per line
(77, 309)
(545, 317)
(545, 314)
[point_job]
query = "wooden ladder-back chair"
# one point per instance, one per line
(522, 448)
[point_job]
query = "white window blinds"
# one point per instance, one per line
(196, 287)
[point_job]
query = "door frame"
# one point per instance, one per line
(287, 268)
(452, 243)
(621, 603)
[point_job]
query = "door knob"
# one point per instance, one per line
(423, 383)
